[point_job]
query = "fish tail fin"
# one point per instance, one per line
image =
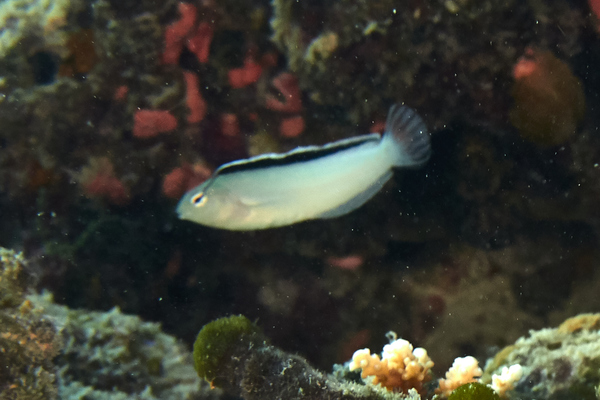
(406, 137)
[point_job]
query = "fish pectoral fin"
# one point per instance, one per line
(261, 201)
(251, 202)
(359, 199)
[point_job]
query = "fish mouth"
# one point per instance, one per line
(182, 211)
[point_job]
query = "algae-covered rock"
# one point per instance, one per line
(33, 23)
(49, 351)
(28, 340)
(359, 55)
(558, 363)
(13, 279)
(110, 355)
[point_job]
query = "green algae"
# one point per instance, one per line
(216, 340)
(474, 391)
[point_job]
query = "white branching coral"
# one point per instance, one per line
(463, 370)
(400, 368)
(507, 379)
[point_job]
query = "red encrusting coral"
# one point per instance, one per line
(595, 7)
(230, 125)
(377, 127)
(291, 127)
(526, 65)
(121, 93)
(246, 75)
(149, 123)
(108, 187)
(184, 178)
(176, 33)
(287, 84)
(195, 101)
(174, 183)
(268, 60)
(98, 180)
(199, 42)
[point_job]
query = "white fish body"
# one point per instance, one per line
(306, 183)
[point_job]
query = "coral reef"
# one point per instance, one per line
(111, 110)
(233, 354)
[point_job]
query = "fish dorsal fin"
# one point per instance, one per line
(359, 199)
(297, 155)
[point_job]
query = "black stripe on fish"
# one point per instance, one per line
(297, 155)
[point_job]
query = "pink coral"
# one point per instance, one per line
(350, 263)
(526, 65)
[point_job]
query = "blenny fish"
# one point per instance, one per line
(311, 182)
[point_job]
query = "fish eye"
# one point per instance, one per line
(199, 199)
